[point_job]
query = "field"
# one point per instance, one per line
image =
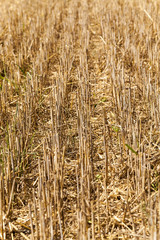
(80, 119)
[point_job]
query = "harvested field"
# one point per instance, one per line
(79, 119)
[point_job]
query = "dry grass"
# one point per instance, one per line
(79, 119)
